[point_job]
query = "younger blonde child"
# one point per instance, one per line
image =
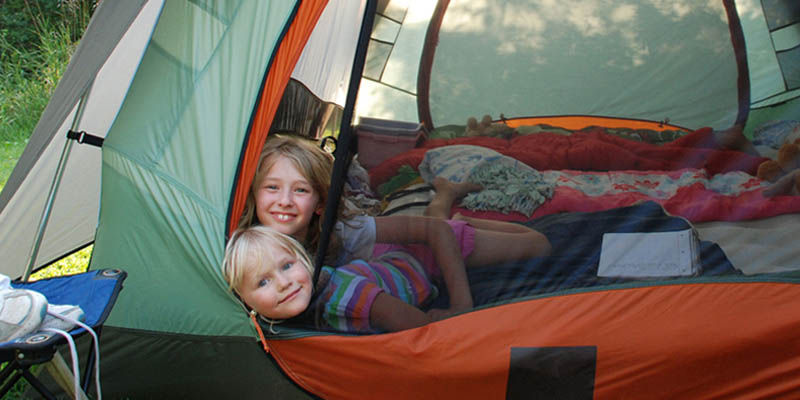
(271, 273)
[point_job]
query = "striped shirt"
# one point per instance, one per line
(351, 289)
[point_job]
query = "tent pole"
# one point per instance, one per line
(62, 163)
(346, 139)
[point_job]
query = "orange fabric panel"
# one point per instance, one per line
(701, 340)
(289, 51)
(576, 122)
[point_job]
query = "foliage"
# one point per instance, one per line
(74, 263)
(31, 67)
(17, 18)
(36, 41)
(9, 154)
(26, 23)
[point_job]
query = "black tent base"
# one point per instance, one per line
(147, 365)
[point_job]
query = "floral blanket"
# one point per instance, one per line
(655, 185)
(692, 193)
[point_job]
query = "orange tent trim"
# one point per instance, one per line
(701, 340)
(577, 122)
(289, 51)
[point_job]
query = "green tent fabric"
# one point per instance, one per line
(161, 167)
(167, 180)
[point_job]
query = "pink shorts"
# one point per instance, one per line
(465, 236)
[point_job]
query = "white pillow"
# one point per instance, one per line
(509, 185)
(455, 163)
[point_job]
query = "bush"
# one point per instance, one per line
(36, 42)
(18, 19)
(26, 22)
(28, 81)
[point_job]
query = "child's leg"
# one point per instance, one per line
(446, 194)
(492, 246)
(492, 225)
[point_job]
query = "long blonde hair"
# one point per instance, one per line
(314, 163)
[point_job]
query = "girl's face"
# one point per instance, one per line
(278, 291)
(285, 200)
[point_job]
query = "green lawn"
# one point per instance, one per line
(9, 154)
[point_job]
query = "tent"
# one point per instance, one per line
(169, 102)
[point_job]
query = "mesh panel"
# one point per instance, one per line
(780, 13)
(790, 65)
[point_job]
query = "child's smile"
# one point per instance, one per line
(278, 291)
(285, 200)
(283, 217)
(291, 295)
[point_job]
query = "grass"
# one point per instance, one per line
(72, 264)
(29, 79)
(10, 151)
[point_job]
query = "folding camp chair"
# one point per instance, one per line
(95, 292)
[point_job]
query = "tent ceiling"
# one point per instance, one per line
(643, 59)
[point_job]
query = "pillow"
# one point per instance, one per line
(509, 185)
(775, 133)
(770, 136)
(456, 162)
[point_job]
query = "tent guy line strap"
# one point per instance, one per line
(83, 137)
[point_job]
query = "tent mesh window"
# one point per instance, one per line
(790, 66)
(385, 31)
(781, 13)
(783, 20)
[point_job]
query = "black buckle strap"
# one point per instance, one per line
(83, 137)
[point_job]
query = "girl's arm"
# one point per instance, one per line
(390, 314)
(437, 234)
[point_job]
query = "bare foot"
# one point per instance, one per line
(788, 185)
(446, 194)
(455, 190)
